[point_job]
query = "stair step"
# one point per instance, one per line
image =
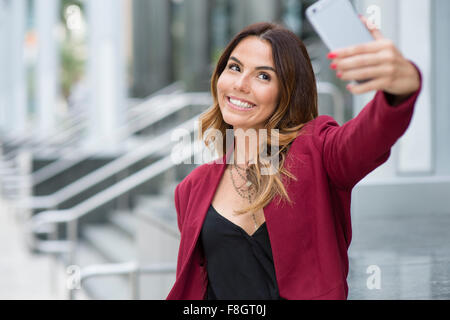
(169, 190)
(153, 201)
(100, 288)
(110, 242)
(158, 211)
(125, 221)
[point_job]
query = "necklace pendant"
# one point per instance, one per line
(254, 220)
(248, 184)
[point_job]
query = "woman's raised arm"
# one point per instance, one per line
(362, 144)
(381, 62)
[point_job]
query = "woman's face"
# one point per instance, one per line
(247, 89)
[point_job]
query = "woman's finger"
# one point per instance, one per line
(371, 85)
(369, 47)
(373, 72)
(373, 28)
(359, 61)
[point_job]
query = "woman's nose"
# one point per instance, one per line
(242, 84)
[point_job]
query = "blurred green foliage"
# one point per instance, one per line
(72, 62)
(72, 66)
(65, 4)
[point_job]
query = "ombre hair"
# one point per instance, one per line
(297, 106)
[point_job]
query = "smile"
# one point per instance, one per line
(240, 105)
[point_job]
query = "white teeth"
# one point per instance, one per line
(241, 104)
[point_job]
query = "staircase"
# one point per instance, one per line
(126, 220)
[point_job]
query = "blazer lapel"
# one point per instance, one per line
(203, 194)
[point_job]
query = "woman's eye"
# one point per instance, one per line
(264, 76)
(234, 67)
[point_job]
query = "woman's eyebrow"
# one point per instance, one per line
(257, 68)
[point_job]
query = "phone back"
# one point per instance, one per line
(337, 23)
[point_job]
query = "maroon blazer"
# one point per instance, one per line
(309, 239)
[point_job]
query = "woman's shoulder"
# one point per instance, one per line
(199, 173)
(314, 131)
(321, 122)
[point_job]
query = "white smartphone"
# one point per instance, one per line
(338, 24)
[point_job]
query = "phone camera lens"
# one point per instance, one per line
(314, 10)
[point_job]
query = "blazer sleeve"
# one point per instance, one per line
(353, 150)
(177, 207)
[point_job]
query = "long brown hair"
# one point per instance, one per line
(297, 106)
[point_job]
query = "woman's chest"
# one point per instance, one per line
(227, 199)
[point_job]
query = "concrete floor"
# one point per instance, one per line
(24, 275)
(410, 253)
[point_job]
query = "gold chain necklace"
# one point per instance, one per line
(248, 184)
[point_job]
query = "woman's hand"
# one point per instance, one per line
(381, 62)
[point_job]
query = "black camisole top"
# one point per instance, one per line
(239, 266)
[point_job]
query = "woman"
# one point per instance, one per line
(285, 235)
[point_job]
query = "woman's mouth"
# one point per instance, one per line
(240, 105)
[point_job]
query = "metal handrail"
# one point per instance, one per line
(39, 143)
(132, 269)
(76, 123)
(76, 118)
(179, 100)
(167, 105)
(336, 96)
(174, 88)
(153, 146)
(65, 163)
(31, 138)
(46, 219)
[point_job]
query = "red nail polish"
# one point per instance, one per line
(332, 55)
(333, 66)
(339, 75)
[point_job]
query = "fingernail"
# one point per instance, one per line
(333, 66)
(339, 75)
(332, 55)
(349, 87)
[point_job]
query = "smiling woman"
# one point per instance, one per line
(256, 85)
(247, 85)
(237, 242)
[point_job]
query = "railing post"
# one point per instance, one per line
(134, 284)
(72, 236)
(24, 162)
(53, 235)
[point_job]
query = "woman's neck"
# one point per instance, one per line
(245, 146)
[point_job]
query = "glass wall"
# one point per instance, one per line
(198, 32)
